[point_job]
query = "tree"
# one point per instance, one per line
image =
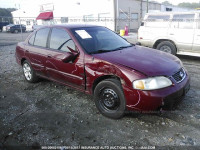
(5, 14)
(166, 3)
(189, 5)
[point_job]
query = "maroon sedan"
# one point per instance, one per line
(97, 61)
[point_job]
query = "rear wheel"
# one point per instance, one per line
(29, 73)
(167, 46)
(109, 98)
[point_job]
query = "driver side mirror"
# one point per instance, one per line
(69, 56)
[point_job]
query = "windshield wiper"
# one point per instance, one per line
(116, 49)
(101, 51)
(122, 47)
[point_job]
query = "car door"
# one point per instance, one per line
(70, 73)
(196, 44)
(182, 31)
(35, 50)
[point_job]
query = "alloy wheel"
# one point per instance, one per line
(27, 71)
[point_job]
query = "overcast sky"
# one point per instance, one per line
(28, 3)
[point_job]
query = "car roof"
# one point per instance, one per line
(10, 25)
(71, 26)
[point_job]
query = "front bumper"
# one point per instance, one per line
(152, 100)
(172, 100)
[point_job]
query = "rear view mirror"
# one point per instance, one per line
(69, 56)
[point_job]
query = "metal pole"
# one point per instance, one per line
(117, 14)
(141, 9)
(21, 28)
(147, 6)
(129, 19)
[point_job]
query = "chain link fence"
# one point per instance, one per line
(17, 29)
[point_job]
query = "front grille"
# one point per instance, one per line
(179, 76)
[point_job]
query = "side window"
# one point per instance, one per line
(41, 37)
(160, 21)
(134, 16)
(60, 40)
(158, 17)
(123, 15)
(183, 21)
(31, 40)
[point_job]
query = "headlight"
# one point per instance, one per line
(153, 83)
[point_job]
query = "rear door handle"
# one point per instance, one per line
(49, 56)
(27, 51)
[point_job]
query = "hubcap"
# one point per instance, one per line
(109, 99)
(166, 49)
(27, 71)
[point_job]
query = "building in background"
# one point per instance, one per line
(166, 8)
(114, 14)
(26, 17)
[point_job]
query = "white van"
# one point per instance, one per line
(175, 32)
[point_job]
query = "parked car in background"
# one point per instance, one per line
(2, 24)
(13, 28)
(97, 61)
(175, 33)
(35, 27)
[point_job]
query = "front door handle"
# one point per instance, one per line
(27, 51)
(49, 56)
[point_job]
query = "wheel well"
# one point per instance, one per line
(22, 60)
(98, 80)
(162, 40)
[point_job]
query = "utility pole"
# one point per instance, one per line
(147, 6)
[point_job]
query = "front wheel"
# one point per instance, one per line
(167, 46)
(29, 73)
(109, 98)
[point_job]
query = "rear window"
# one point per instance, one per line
(41, 37)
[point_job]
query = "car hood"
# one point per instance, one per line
(145, 60)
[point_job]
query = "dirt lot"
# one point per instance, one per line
(47, 113)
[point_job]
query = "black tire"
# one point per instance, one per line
(33, 77)
(167, 46)
(112, 90)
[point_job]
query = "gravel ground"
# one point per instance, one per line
(47, 113)
(7, 39)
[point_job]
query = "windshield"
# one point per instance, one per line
(99, 39)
